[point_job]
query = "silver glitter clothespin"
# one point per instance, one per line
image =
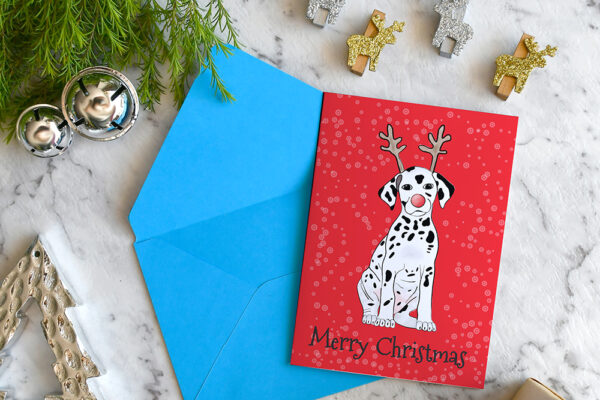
(452, 33)
(321, 12)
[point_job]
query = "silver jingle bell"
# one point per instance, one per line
(43, 131)
(100, 103)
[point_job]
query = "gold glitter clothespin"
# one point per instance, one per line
(513, 71)
(369, 45)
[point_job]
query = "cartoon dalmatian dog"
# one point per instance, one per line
(400, 276)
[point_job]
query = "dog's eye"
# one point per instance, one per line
(406, 187)
(428, 186)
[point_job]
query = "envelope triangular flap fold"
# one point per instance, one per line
(198, 301)
(256, 243)
(254, 364)
(221, 156)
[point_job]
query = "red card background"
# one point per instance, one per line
(347, 220)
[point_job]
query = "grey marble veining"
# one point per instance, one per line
(547, 317)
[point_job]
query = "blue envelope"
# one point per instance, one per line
(220, 225)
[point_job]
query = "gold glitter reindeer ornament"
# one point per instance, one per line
(369, 45)
(519, 66)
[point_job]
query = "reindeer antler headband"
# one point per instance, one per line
(392, 146)
(435, 150)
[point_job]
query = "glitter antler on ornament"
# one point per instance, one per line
(452, 26)
(519, 67)
(371, 46)
(436, 146)
(392, 146)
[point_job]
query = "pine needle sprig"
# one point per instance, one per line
(44, 43)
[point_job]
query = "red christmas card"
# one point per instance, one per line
(404, 240)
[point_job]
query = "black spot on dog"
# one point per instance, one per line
(403, 203)
(428, 269)
(410, 169)
(421, 232)
(382, 243)
(426, 222)
(406, 219)
(376, 267)
(386, 302)
(392, 246)
(370, 276)
(397, 227)
(415, 226)
(388, 276)
(410, 237)
(404, 308)
(394, 190)
(406, 227)
(374, 285)
(430, 237)
(428, 194)
(426, 283)
(379, 255)
(410, 275)
(419, 178)
(393, 237)
(370, 304)
(403, 234)
(440, 194)
(392, 254)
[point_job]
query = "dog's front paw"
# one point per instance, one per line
(427, 326)
(387, 323)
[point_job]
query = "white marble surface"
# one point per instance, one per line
(547, 316)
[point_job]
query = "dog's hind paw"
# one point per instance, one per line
(369, 319)
(427, 326)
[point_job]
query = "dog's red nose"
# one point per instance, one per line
(417, 200)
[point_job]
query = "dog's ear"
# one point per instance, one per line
(389, 191)
(445, 189)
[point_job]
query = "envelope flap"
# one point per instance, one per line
(256, 357)
(255, 244)
(192, 300)
(221, 156)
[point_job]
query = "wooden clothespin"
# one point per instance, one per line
(533, 389)
(321, 12)
(452, 33)
(361, 48)
(513, 71)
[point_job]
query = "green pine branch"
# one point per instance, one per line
(44, 43)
